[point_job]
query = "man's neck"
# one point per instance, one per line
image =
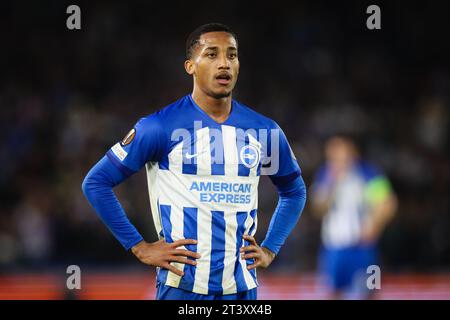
(217, 109)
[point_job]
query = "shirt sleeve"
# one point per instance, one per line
(286, 175)
(98, 188)
(291, 202)
(146, 141)
(285, 166)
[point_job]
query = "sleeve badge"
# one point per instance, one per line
(128, 138)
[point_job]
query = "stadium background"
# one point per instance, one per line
(314, 67)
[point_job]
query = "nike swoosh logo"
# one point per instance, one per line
(190, 156)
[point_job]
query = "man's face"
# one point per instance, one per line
(215, 64)
(340, 154)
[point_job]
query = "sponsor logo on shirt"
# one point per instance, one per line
(222, 192)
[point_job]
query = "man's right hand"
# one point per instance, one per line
(161, 254)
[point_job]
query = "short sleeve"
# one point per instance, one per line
(146, 141)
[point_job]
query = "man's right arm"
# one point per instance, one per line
(98, 189)
(146, 142)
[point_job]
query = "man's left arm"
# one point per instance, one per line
(291, 202)
(382, 205)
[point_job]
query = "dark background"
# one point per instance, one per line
(313, 66)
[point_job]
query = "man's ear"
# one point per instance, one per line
(189, 66)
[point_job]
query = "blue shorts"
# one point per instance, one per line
(169, 293)
(346, 268)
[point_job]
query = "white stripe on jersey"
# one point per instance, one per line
(152, 182)
(228, 280)
(230, 151)
(204, 151)
(203, 217)
(176, 159)
(204, 248)
(341, 226)
(176, 220)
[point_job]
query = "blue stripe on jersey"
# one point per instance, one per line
(189, 232)
(217, 154)
(258, 170)
(167, 227)
(217, 251)
(164, 163)
(241, 216)
(165, 221)
(190, 165)
(247, 243)
(253, 215)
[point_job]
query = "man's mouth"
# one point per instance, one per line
(223, 78)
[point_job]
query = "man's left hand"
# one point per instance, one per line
(263, 256)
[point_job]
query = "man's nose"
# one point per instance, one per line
(224, 62)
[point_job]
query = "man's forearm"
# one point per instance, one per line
(292, 199)
(97, 187)
(382, 213)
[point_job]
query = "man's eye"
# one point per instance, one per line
(233, 55)
(211, 55)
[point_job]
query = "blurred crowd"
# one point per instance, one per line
(68, 96)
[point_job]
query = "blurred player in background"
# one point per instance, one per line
(355, 202)
(203, 154)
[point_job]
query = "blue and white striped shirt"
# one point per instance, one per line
(203, 184)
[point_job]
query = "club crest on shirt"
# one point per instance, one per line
(249, 156)
(129, 137)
